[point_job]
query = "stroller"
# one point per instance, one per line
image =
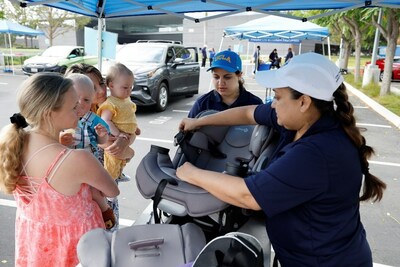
(237, 150)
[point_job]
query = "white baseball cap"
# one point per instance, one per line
(310, 74)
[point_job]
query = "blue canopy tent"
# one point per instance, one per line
(102, 9)
(277, 29)
(9, 28)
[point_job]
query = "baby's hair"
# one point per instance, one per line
(82, 81)
(116, 70)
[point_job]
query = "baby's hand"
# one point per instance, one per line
(101, 131)
(66, 138)
(138, 131)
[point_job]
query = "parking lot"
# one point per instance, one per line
(381, 220)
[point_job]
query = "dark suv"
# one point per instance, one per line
(162, 69)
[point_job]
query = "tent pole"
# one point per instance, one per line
(329, 48)
(247, 56)
(99, 42)
(11, 53)
(300, 48)
(220, 44)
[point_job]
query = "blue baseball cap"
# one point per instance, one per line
(227, 60)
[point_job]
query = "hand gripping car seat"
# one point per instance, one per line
(218, 148)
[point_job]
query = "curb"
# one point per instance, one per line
(387, 114)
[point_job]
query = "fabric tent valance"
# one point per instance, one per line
(125, 8)
(10, 27)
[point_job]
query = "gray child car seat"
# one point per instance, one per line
(233, 149)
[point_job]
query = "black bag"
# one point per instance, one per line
(234, 249)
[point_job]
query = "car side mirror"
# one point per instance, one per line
(71, 56)
(178, 61)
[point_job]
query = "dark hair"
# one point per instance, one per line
(373, 186)
(84, 68)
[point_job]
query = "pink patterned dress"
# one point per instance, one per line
(49, 224)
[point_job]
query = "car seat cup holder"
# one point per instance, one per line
(159, 149)
(240, 169)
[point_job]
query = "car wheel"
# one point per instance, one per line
(381, 76)
(63, 69)
(162, 97)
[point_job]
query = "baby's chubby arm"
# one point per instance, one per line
(102, 133)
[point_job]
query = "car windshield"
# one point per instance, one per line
(56, 51)
(142, 54)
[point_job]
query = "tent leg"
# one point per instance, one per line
(329, 49)
(11, 54)
(99, 43)
(247, 56)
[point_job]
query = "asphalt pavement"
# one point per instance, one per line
(380, 127)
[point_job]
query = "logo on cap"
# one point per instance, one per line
(223, 57)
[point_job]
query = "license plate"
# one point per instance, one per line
(34, 69)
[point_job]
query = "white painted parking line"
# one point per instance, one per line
(12, 203)
(180, 111)
(154, 140)
(360, 107)
(384, 163)
(8, 203)
(160, 120)
(374, 125)
(3, 83)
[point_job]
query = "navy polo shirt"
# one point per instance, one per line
(310, 195)
(213, 100)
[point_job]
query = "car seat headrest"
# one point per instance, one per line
(259, 137)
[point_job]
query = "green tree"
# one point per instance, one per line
(389, 28)
(53, 22)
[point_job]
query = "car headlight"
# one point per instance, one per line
(145, 75)
(50, 65)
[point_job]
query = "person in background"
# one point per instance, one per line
(51, 183)
(256, 58)
(229, 48)
(289, 55)
(204, 56)
(310, 191)
(228, 85)
(91, 132)
(118, 111)
(211, 56)
(274, 59)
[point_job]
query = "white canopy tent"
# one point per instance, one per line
(277, 29)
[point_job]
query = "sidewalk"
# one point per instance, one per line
(387, 114)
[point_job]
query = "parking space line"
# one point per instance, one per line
(154, 140)
(384, 163)
(374, 125)
(181, 111)
(13, 204)
(8, 203)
